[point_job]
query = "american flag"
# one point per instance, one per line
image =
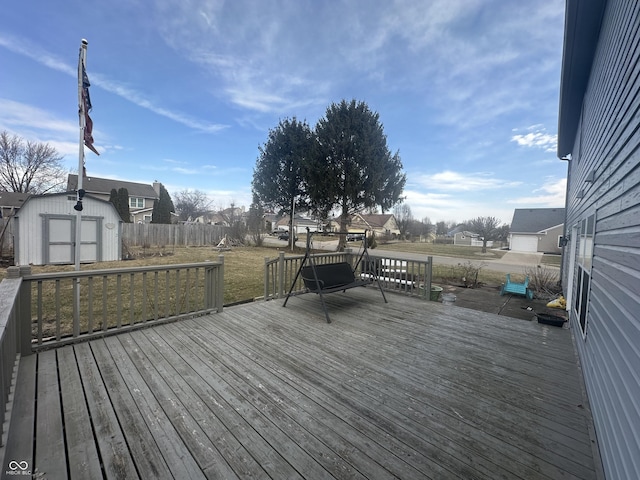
(88, 123)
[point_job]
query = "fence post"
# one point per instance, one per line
(23, 310)
(348, 252)
(428, 276)
(280, 274)
(266, 278)
(220, 286)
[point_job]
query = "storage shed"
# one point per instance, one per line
(46, 231)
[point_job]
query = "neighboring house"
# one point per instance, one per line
(224, 217)
(212, 218)
(141, 195)
(382, 224)
(470, 239)
(10, 203)
(45, 231)
(300, 224)
(537, 230)
(598, 126)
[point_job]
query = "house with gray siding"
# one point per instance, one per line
(599, 138)
(141, 195)
(537, 230)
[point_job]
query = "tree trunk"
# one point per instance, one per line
(342, 239)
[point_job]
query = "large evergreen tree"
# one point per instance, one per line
(162, 207)
(280, 174)
(122, 204)
(354, 169)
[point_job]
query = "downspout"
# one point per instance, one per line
(566, 158)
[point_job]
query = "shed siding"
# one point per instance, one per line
(607, 143)
(31, 233)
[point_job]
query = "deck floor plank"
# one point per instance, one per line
(583, 453)
(84, 461)
(49, 428)
(409, 389)
(165, 357)
(177, 456)
(113, 450)
(396, 412)
(177, 406)
(266, 422)
(329, 444)
(226, 405)
(149, 461)
(19, 447)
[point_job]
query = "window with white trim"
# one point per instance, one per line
(584, 257)
(136, 202)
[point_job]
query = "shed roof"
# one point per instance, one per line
(534, 220)
(105, 185)
(12, 199)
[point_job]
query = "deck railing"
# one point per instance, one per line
(64, 307)
(410, 277)
(9, 338)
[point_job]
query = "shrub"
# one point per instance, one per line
(543, 281)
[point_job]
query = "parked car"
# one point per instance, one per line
(285, 236)
(355, 237)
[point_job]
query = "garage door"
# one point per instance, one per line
(524, 243)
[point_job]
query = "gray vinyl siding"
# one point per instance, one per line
(548, 242)
(608, 142)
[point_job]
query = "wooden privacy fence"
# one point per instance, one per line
(410, 277)
(187, 234)
(6, 237)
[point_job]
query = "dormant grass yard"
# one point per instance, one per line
(244, 266)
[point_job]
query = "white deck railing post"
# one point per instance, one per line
(281, 268)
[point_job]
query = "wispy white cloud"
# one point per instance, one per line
(23, 47)
(538, 139)
(551, 194)
(16, 114)
(450, 181)
(34, 124)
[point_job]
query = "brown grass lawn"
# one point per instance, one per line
(244, 266)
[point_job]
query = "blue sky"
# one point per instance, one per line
(184, 91)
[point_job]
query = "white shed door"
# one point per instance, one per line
(524, 243)
(60, 243)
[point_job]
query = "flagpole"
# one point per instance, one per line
(78, 239)
(81, 118)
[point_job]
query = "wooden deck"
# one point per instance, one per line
(409, 389)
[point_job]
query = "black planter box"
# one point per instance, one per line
(549, 319)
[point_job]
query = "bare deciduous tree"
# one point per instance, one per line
(486, 227)
(190, 204)
(29, 167)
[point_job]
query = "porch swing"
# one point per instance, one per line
(335, 277)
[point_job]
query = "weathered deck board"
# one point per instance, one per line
(409, 389)
(114, 451)
(49, 428)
